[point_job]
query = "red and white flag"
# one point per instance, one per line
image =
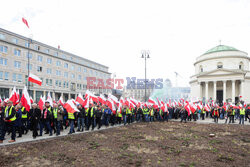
(150, 100)
(35, 79)
(41, 103)
(61, 100)
(70, 106)
(102, 99)
(25, 22)
(14, 96)
(49, 98)
(79, 99)
(25, 100)
(31, 100)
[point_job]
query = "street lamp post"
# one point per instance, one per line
(145, 55)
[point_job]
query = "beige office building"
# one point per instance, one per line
(62, 73)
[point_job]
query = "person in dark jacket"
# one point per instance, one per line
(10, 118)
(46, 118)
(98, 114)
(80, 118)
(2, 124)
(183, 114)
(34, 116)
(18, 122)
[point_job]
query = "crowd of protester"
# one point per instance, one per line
(55, 119)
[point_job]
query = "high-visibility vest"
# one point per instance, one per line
(55, 113)
(242, 111)
(203, 111)
(233, 112)
(160, 112)
(87, 111)
(152, 112)
(24, 115)
(13, 118)
(145, 111)
(128, 111)
(119, 114)
(71, 116)
(92, 112)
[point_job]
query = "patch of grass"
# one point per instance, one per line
(225, 159)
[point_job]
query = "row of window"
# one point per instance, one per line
(15, 77)
(17, 64)
(47, 51)
(220, 66)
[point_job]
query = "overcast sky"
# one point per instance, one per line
(113, 32)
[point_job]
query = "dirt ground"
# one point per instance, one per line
(141, 144)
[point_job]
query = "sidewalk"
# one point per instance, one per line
(28, 137)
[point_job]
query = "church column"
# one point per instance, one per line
(206, 92)
(224, 91)
(215, 90)
(233, 91)
(242, 89)
(201, 91)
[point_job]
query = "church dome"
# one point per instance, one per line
(220, 48)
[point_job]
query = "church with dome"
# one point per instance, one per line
(221, 74)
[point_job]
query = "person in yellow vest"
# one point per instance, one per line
(242, 115)
(91, 116)
(119, 116)
(71, 118)
(10, 118)
(24, 119)
(232, 116)
(203, 113)
(151, 113)
(55, 119)
(129, 114)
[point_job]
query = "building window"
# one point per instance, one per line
(27, 44)
(79, 69)
(63, 56)
(56, 82)
(58, 73)
(14, 40)
(6, 76)
(84, 78)
(85, 70)
(46, 51)
(49, 71)
(73, 76)
(20, 78)
(29, 66)
(37, 47)
(3, 49)
(72, 67)
(3, 61)
(17, 52)
(17, 64)
(219, 65)
(1, 75)
(39, 58)
(241, 66)
(66, 74)
(2, 36)
(29, 56)
(56, 54)
(48, 82)
(39, 69)
(49, 60)
(66, 65)
(59, 83)
(58, 63)
(14, 77)
(79, 77)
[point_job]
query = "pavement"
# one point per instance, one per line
(28, 137)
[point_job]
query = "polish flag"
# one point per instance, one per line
(119, 110)
(102, 99)
(61, 100)
(35, 79)
(79, 99)
(111, 105)
(112, 97)
(159, 103)
(49, 98)
(70, 106)
(193, 107)
(132, 100)
(25, 22)
(122, 100)
(41, 103)
(187, 107)
(207, 107)
(14, 96)
(31, 100)
(150, 100)
(25, 100)
(18, 96)
(86, 103)
(0, 99)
